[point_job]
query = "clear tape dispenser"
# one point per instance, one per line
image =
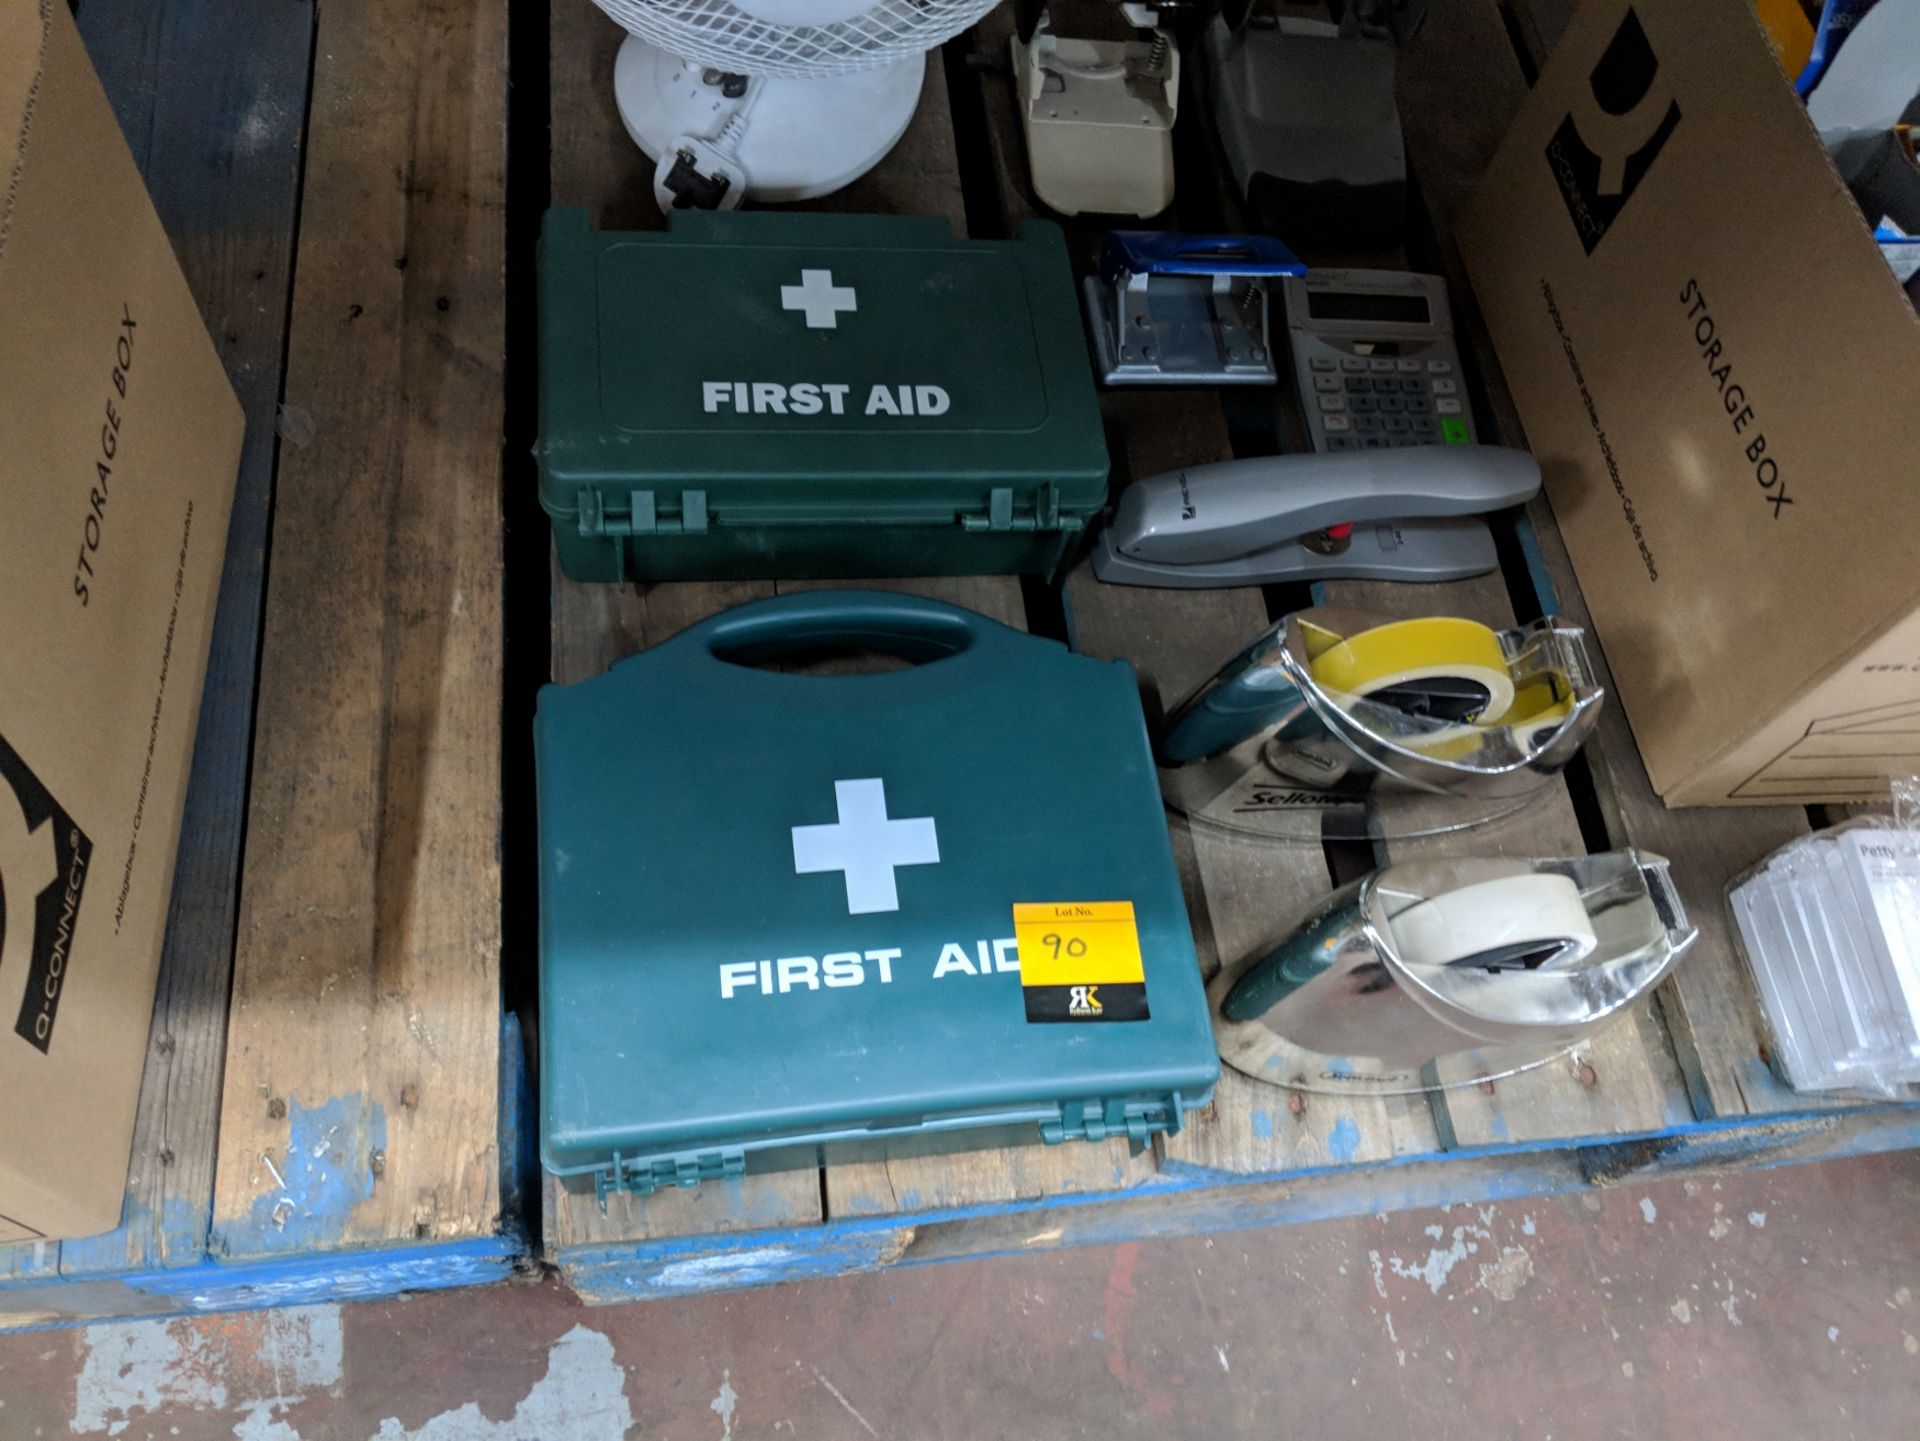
(1451, 972)
(1338, 723)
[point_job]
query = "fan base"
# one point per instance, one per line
(801, 137)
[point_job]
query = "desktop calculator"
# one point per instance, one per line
(1374, 360)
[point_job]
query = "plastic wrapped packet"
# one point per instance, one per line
(1830, 928)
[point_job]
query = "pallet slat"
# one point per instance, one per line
(361, 1101)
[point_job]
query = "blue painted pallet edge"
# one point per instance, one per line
(1193, 1200)
(81, 1283)
(316, 1277)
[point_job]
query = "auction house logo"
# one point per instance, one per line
(43, 874)
(1599, 155)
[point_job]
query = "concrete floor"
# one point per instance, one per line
(1771, 1304)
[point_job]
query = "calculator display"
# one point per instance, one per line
(1363, 305)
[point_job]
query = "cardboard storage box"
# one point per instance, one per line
(1721, 379)
(119, 440)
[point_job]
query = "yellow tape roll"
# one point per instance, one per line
(1410, 650)
(1540, 708)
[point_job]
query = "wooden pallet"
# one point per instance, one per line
(333, 1106)
(322, 1111)
(1676, 1086)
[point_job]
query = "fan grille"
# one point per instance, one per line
(719, 34)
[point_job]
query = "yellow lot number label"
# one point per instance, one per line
(1080, 961)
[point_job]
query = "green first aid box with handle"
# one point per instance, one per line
(771, 395)
(788, 916)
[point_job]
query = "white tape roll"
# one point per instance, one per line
(1509, 911)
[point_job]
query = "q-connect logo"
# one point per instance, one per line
(43, 875)
(1603, 149)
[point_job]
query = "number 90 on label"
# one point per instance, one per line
(1080, 961)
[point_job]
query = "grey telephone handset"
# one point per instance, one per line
(1359, 515)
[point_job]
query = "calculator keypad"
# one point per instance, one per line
(1385, 404)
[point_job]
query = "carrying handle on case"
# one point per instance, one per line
(908, 626)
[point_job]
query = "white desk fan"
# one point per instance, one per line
(772, 99)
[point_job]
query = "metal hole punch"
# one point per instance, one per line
(1185, 309)
(1342, 723)
(1450, 972)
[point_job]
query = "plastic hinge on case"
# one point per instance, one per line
(1138, 1121)
(693, 512)
(608, 1179)
(596, 519)
(592, 519)
(1074, 1124)
(644, 1178)
(643, 515)
(1001, 515)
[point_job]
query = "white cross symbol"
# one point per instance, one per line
(866, 846)
(820, 298)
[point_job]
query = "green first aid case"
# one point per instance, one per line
(778, 910)
(771, 395)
